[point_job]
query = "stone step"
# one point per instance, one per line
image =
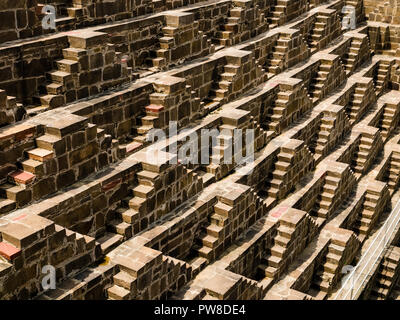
(109, 241)
(278, 251)
(274, 261)
(231, 68)
(40, 154)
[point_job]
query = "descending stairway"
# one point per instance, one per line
(152, 119)
(277, 113)
(66, 84)
(127, 283)
(220, 165)
(324, 277)
(276, 58)
(387, 275)
(225, 36)
(138, 210)
(167, 43)
(126, 221)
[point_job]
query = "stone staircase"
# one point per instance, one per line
(282, 166)
(17, 191)
(295, 230)
(225, 36)
(363, 158)
(340, 252)
(180, 32)
(128, 282)
(276, 58)
(70, 252)
(387, 275)
(381, 78)
(278, 111)
(373, 204)
(220, 91)
(325, 129)
(388, 119)
(318, 31)
(50, 163)
(151, 120)
(89, 66)
(293, 157)
(394, 172)
(336, 188)
(318, 81)
(224, 155)
(140, 209)
(222, 158)
(277, 15)
(214, 232)
(229, 219)
(359, 101)
(244, 20)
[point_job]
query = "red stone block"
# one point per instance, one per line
(154, 108)
(8, 251)
(22, 177)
